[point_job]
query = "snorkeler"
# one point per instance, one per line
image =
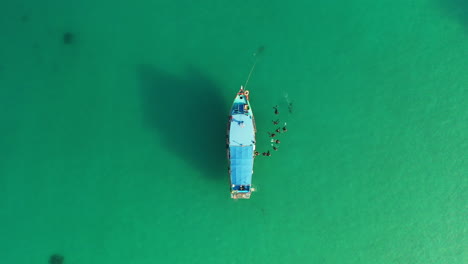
(290, 104)
(276, 141)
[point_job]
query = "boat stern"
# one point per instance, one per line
(241, 191)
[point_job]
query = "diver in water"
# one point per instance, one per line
(56, 259)
(278, 130)
(284, 128)
(276, 141)
(276, 110)
(274, 147)
(290, 104)
(256, 153)
(275, 122)
(271, 134)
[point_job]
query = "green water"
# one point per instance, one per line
(112, 146)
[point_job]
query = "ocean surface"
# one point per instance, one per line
(113, 118)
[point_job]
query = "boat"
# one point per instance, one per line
(241, 145)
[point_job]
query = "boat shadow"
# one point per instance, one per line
(189, 115)
(457, 9)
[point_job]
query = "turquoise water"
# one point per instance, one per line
(112, 145)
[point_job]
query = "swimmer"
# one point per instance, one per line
(290, 104)
(276, 110)
(276, 141)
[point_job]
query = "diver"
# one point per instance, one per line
(276, 110)
(284, 128)
(276, 141)
(275, 122)
(271, 134)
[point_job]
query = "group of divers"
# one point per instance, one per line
(275, 142)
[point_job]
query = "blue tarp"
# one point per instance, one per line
(241, 165)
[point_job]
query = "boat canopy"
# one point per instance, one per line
(241, 165)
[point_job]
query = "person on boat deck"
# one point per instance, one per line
(242, 187)
(271, 134)
(276, 110)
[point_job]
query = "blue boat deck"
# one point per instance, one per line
(242, 132)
